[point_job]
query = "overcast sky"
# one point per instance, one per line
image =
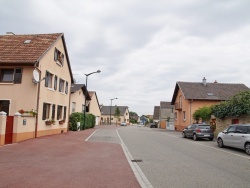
(142, 47)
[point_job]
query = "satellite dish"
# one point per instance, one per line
(35, 76)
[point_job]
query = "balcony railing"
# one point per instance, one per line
(178, 106)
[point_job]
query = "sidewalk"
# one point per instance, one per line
(65, 160)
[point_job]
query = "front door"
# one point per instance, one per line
(4, 106)
(9, 130)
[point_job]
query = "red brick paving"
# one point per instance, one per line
(65, 160)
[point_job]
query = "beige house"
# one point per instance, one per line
(190, 96)
(166, 114)
(109, 111)
(35, 79)
(94, 107)
(78, 101)
(78, 98)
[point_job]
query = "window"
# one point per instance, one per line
(61, 85)
(55, 83)
(6, 75)
(231, 129)
(59, 112)
(46, 111)
(58, 57)
(184, 116)
(11, 75)
(73, 108)
(48, 79)
(4, 106)
(53, 111)
(241, 129)
(175, 115)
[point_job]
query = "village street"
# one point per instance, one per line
(168, 160)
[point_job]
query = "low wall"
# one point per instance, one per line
(222, 124)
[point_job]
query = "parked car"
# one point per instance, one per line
(123, 124)
(237, 136)
(153, 125)
(197, 131)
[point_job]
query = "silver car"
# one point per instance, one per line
(237, 136)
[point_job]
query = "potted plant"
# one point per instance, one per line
(50, 121)
(62, 121)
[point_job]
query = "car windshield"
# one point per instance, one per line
(204, 126)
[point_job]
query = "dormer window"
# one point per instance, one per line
(58, 57)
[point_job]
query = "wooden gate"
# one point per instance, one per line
(9, 130)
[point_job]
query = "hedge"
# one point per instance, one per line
(79, 117)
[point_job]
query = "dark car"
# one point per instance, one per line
(153, 125)
(197, 131)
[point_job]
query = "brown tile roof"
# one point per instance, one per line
(77, 87)
(156, 114)
(164, 104)
(105, 110)
(212, 91)
(14, 50)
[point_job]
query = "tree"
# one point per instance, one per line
(117, 114)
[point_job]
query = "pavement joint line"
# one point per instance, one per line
(91, 135)
(140, 176)
(212, 147)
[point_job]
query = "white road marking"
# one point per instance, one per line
(140, 176)
(91, 135)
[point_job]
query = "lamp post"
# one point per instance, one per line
(110, 109)
(85, 106)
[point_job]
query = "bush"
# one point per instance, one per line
(79, 117)
(203, 112)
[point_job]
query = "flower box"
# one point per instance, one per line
(61, 122)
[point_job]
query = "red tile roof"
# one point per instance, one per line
(14, 50)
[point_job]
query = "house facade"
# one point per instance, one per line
(94, 107)
(190, 96)
(109, 111)
(77, 98)
(166, 114)
(35, 80)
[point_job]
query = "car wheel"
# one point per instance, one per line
(183, 135)
(247, 148)
(220, 143)
(194, 137)
(211, 139)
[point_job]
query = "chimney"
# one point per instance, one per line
(204, 81)
(10, 33)
(215, 82)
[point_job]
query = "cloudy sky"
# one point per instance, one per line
(142, 47)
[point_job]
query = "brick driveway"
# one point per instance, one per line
(65, 160)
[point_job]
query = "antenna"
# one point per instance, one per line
(36, 76)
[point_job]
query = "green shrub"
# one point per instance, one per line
(79, 117)
(203, 112)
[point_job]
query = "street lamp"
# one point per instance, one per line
(85, 106)
(110, 109)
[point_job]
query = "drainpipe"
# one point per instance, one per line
(37, 100)
(191, 111)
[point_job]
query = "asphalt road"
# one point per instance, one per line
(168, 160)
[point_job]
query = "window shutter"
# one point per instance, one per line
(62, 58)
(44, 111)
(55, 55)
(18, 76)
(60, 85)
(66, 88)
(47, 79)
(55, 83)
(64, 112)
